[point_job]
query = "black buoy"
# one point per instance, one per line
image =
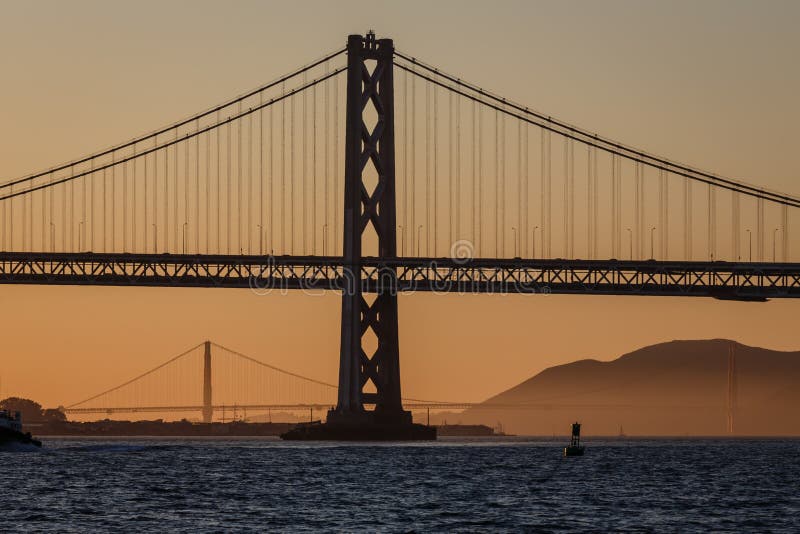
(574, 448)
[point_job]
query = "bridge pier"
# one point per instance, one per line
(369, 354)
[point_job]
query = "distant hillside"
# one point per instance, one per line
(675, 388)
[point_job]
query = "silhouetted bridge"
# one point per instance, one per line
(439, 185)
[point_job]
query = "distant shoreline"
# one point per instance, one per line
(188, 429)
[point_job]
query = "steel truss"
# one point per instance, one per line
(740, 281)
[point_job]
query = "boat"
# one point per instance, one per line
(574, 448)
(11, 430)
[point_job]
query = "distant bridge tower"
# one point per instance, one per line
(208, 410)
(369, 355)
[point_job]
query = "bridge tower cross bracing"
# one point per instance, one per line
(369, 205)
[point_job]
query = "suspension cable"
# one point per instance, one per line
(595, 138)
(182, 122)
(615, 148)
(187, 136)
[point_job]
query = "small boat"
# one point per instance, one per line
(574, 448)
(11, 430)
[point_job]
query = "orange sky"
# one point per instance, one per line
(711, 84)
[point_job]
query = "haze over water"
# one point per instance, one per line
(454, 485)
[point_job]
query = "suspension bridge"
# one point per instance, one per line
(209, 379)
(370, 172)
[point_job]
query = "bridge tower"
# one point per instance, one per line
(208, 410)
(369, 369)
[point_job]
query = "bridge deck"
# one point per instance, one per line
(722, 280)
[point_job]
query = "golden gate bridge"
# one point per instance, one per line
(210, 379)
(370, 172)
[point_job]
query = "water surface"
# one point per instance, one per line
(508, 484)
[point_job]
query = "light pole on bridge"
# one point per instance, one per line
(750, 244)
(533, 242)
(260, 240)
(630, 242)
(774, 235)
(652, 238)
(418, 240)
(516, 241)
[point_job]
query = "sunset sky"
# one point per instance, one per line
(712, 84)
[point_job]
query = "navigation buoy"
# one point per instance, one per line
(574, 448)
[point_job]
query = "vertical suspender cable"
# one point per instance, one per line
(218, 195)
(435, 167)
(336, 160)
(571, 199)
(303, 174)
(51, 229)
(82, 242)
(45, 195)
(271, 203)
(711, 220)
(589, 204)
(124, 208)
(314, 170)
(760, 228)
(475, 220)
(530, 252)
(197, 188)
(457, 103)
(427, 168)
(665, 252)
(291, 175)
(549, 199)
(165, 218)
(496, 185)
(451, 188)
(785, 233)
(11, 215)
(208, 194)
(145, 214)
(405, 164)
(520, 222)
(688, 222)
(134, 180)
(228, 175)
(735, 227)
(282, 213)
(566, 197)
(543, 191)
(3, 222)
(175, 193)
(457, 165)
(412, 232)
(239, 179)
(249, 220)
(25, 216)
(503, 184)
(614, 252)
(326, 175)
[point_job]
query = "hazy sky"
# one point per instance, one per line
(713, 84)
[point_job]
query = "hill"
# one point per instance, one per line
(674, 388)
